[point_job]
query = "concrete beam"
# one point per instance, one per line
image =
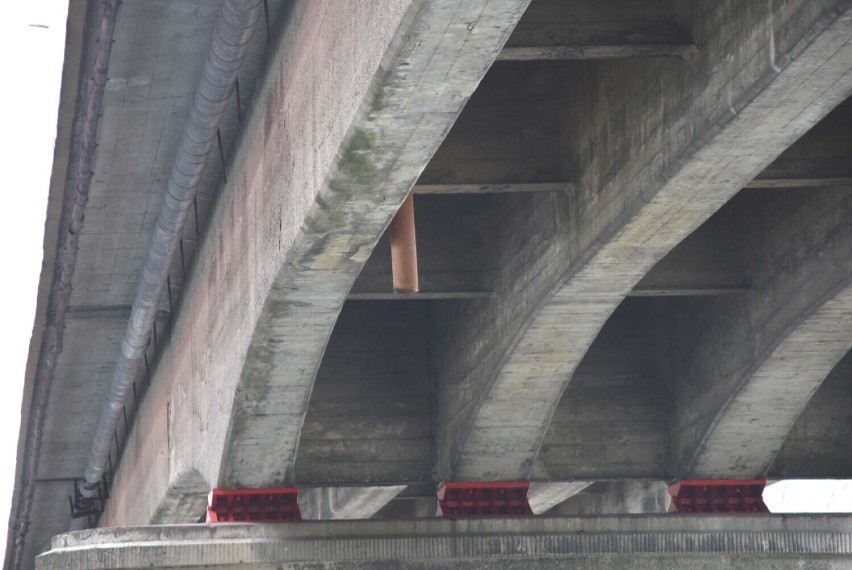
(800, 182)
(358, 98)
(697, 149)
(746, 367)
(553, 30)
(588, 543)
(440, 189)
(687, 52)
(458, 225)
(422, 296)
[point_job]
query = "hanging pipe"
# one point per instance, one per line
(234, 28)
(404, 249)
(60, 287)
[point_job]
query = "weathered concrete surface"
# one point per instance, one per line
(746, 367)
(345, 503)
(656, 160)
(357, 97)
(613, 420)
(643, 542)
(617, 498)
(154, 66)
(447, 46)
(820, 443)
(544, 496)
(369, 421)
(553, 29)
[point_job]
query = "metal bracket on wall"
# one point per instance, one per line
(91, 507)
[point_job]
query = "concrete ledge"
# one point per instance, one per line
(660, 541)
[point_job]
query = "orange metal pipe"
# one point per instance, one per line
(404, 249)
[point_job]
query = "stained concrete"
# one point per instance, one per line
(601, 168)
(345, 503)
(154, 66)
(613, 421)
(820, 443)
(644, 542)
(617, 498)
(544, 496)
(317, 206)
(689, 137)
(779, 342)
(369, 418)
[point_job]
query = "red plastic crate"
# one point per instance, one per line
(499, 498)
(718, 496)
(277, 504)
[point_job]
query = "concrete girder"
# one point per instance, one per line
(740, 112)
(553, 30)
(353, 107)
(747, 367)
(457, 258)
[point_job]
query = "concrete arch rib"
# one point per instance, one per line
(431, 68)
(737, 115)
(780, 342)
(357, 97)
(769, 401)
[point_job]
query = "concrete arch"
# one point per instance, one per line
(780, 342)
(352, 107)
(384, 152)
(689, 156)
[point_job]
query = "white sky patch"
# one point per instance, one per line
(32, 37)
(809, 496)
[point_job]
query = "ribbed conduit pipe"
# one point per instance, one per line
(234, 28)
(60, 287)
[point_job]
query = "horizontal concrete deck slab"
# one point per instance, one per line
(660, 541)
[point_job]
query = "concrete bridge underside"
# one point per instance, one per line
(633, 231)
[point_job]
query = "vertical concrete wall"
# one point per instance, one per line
(613, 419)
(369, 420)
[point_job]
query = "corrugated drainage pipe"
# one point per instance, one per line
(234, 29)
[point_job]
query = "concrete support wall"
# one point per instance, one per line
(613, 419)
(369, 420)
(658, 146)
